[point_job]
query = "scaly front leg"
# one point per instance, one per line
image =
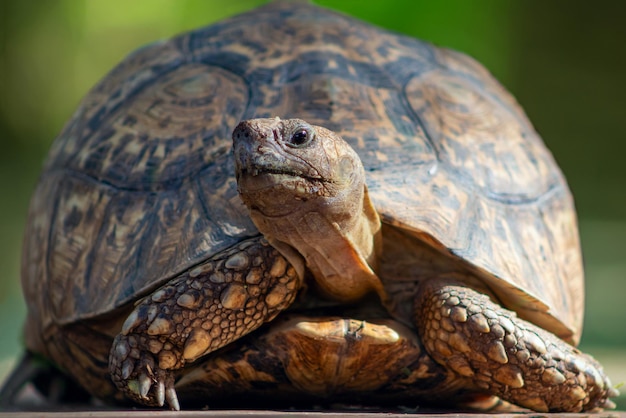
(507, 356)
(196, 313)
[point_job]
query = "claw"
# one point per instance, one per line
(127, 369)
(608, 404)
(172, 399)
(612, 393)
(144, 385)
(160, 393)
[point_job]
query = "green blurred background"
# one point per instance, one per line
(565, 61)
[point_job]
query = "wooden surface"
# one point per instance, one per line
(245, 413)
(30, 404)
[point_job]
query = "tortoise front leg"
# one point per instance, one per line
(196, 313)
(507, 356)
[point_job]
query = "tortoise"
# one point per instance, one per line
(293, 205)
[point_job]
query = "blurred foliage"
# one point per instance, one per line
(563, 60)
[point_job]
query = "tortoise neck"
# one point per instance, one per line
(345, 262)
(341, 255)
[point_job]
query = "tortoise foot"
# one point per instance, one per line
(196, 313)
(506, 356)
(138, 374)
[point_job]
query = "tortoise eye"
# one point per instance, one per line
(300, 137)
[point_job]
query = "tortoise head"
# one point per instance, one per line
(305, 189)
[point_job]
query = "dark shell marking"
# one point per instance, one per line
(139, 187)
(447, 152)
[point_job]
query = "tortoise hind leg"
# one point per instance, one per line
(198, 312)
(506, 356)
(53, 385)
(23, 372)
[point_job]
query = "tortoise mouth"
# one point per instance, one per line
(266, 165)
(260, 170)
(287, 182)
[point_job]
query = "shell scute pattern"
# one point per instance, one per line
(187, 112)
(430, 125)
(137, 225)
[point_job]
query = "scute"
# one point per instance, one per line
(143, 174)
(167, 129)
(142, 186)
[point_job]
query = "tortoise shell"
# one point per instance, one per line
(139, 186)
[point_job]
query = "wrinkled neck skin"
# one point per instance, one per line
(308, 198)
(342, 256)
